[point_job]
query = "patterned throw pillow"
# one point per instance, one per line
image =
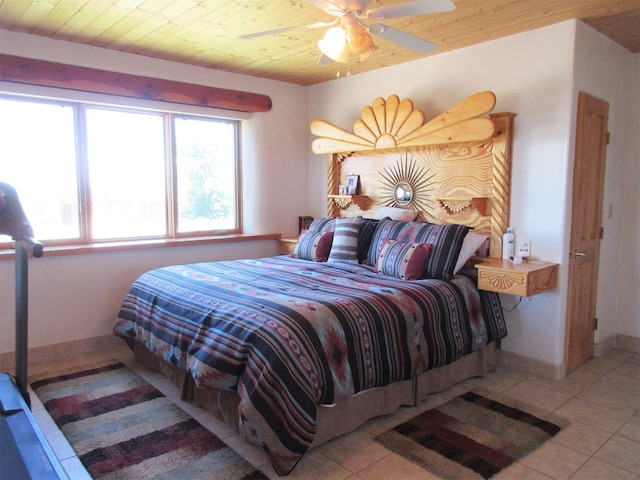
(314, 246)
(345, 241)
(403, 260)
(446, 239)
(365, 234)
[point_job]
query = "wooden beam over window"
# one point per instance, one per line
(39, 72)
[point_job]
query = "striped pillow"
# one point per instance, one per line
(323, 225)
(365, 234)
(403, 260)
(345, 241)
(314, 246)
(446, 239)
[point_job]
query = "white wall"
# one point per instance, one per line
(628, 274)
(607, 71)
(532, 74)
(78, 297)
(628, 304)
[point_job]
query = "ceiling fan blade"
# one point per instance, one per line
(287, 29)
(324, 60)
(402, 38)
(329, 6)
(407, 9)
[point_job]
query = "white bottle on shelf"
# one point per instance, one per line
(508, 244)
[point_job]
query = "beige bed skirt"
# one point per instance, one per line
(335, 420)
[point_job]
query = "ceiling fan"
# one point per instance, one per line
(350, 36)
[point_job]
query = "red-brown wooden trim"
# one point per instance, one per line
(55, 251)
(51, 74)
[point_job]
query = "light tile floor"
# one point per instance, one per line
(601, 399)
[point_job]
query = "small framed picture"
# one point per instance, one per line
(342, 190)
(352, 184)
(304, 223)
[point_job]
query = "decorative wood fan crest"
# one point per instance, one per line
(393, 123)
(501, 281)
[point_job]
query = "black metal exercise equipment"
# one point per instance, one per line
(25, 452)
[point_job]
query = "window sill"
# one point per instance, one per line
(56, 251)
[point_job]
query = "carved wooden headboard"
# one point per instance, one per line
(458, 164)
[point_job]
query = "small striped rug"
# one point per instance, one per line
(121, 427)
(473, 436)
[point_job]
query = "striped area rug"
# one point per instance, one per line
(121, 427)
(473, 436)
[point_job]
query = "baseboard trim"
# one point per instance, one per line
(621, 342)
(604, 346)
(50, 353)
(627, 343)
(510, 360)
(557, 372)
(530, 365)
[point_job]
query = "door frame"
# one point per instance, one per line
(584, 253)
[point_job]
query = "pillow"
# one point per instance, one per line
(345, 241)
(365, 234)
(395, 213)
(314, 246)
(446, 239)
(472, 242)
(403, 260)
(322, 225)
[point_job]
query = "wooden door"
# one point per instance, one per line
(586, 228)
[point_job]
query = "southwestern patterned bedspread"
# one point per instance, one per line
(290, 334)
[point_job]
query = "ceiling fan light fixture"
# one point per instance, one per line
(334, 45)
(360, 42)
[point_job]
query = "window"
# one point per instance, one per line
(206, 174)
(87, 173)
(38, 158)
(126, 173)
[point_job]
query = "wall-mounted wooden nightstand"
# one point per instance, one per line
(524, 279)
(287, 245)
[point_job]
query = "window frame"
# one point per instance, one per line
(80, 102)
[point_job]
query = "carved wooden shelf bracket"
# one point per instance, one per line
(454, 205)
(363, 202)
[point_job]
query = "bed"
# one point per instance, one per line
(366, 314)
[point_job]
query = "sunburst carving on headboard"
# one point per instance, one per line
(406, 171)
(395, 124)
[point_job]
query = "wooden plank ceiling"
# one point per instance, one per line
(205, 32)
